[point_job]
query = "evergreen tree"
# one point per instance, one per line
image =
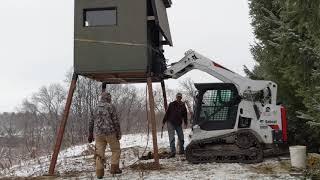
(287, 52)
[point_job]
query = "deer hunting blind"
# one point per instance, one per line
(121, 39)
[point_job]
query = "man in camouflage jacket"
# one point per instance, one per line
(106, 124)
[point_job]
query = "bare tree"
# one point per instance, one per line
(85, 99)
(33, 129)
(50, 102)
(188, 88)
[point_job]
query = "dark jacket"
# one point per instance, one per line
(175, 113)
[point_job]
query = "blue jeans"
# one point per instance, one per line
(171, 131)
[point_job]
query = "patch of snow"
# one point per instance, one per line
(77, 162)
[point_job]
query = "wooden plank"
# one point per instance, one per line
(153, 122)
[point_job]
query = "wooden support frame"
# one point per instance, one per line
(153, 122)
(63, 124)
(164, 93)
(67, 110)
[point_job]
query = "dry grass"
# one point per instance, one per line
(271, 168)
(313, 166)
(30, 178)
(263, 169)
(163, 154)
(149, 166)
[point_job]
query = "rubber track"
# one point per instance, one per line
(196, 154)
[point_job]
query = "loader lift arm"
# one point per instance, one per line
(246, 87)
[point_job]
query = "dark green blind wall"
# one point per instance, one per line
(111, 48)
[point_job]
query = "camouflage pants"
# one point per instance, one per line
(101, 143)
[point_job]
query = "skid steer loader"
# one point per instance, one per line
(237, 120)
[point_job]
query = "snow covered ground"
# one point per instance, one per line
(77, 163)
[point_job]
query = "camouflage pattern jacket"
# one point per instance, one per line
(105, 120)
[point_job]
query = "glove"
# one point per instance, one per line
(90, 138)
(118, 136)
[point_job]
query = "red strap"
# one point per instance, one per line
(284, 124)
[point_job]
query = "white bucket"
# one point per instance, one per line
(298, 155)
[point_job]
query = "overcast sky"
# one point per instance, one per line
(36, 41)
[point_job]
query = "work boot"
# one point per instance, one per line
(181, 152)
(172, 155)
(100, 173)
(115, 169)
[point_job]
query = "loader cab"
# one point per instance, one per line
(216, 106)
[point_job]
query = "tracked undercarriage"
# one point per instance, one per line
(239, 147)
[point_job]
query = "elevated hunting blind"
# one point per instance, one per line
(121, 40)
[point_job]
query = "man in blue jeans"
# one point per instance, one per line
(176, 112)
